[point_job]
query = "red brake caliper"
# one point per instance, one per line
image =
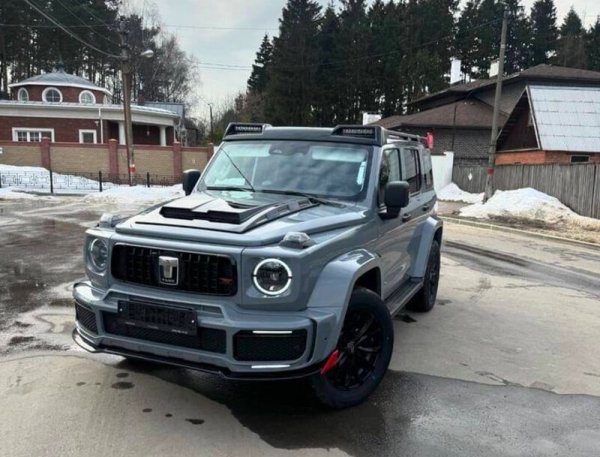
(331, 361)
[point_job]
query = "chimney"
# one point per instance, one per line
(455, 74)
(494, 68)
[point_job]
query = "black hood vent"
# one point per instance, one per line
(223, 217)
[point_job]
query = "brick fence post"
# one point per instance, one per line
(177, 159)
(45, 153)
(113, 157)
(211, 151)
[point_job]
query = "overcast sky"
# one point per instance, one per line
(249, 20)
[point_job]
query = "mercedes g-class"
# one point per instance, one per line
(288, 257)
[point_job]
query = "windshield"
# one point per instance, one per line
(321, 169)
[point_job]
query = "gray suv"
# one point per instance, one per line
(288, 257)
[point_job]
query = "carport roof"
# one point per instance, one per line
(566, 118)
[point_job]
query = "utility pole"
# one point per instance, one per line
(126, 83)
(489, 182)
(210, 107)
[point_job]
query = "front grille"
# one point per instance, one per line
(203, 273)
(86, 318)
(206, 339)
(248, 346)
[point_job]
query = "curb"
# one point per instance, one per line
(504, 228)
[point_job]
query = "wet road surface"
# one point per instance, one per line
(508, 363)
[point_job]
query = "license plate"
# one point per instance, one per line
(157, 317)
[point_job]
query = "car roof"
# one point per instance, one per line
(355, 134)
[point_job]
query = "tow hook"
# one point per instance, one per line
(331, 361)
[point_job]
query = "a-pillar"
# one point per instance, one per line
(177, 159)
(45, 153)
(113, 156)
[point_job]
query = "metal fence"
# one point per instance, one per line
(577, 185)
(65, 182)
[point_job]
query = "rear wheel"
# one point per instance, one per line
(424, 300)
(364, 350)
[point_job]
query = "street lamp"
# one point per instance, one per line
(125, 58)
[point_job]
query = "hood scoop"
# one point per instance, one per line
(207, 208)
(213, 210)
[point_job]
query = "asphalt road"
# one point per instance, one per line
(507, 363)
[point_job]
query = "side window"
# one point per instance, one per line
(389, 171)
(411, 171)
(427, 169)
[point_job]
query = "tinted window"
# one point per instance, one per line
(390, 171)
(410, 169)
(427, 169)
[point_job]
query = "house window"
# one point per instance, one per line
(52, 95)
(32, 134)
(87, 98)
(580, 159)
(23, 95)
(87, 136)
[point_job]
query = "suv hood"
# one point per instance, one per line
(207, 218)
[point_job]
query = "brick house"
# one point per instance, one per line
(70, 109)
(552, 124)
(460, 117)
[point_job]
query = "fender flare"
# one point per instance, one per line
(428, 232)
(331, 295)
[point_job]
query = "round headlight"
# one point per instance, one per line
(272, 277)
(98, 253)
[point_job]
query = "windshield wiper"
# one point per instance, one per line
(232, 188)
(238, 170)
(310, 197)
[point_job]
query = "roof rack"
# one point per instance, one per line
(392, 136)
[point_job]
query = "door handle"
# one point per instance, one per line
(406, 217)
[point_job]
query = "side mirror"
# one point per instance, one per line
(397, 195)
(189, 180)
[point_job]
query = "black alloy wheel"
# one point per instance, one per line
(364, 350)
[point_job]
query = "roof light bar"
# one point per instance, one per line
(238, 128)
(355, 131)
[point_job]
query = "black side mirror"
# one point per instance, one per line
(189, 180)
(397, 195)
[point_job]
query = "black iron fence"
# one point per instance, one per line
(65, 182)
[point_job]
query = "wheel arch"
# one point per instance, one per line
(432, 230)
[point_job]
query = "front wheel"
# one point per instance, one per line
(363, 350)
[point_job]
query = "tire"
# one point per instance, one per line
(424, 300)
(346, 384)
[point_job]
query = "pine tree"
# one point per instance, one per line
(571, 43)
(291, 84)
(257, 83)
(518, 38)
(593, 46)
(354, 40)
(327, 86)
(544, 31)
(467, 38)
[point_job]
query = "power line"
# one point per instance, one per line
(68, 32)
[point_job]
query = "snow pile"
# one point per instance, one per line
(138, 194)
(528, 205)
(8, 193)
(453, 193)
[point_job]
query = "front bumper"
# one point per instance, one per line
(98, 309)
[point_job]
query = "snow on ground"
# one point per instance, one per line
(18, 180)
(141, 194)
(453, 193)
(528, 205)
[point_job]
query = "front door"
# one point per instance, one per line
(394, 234)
